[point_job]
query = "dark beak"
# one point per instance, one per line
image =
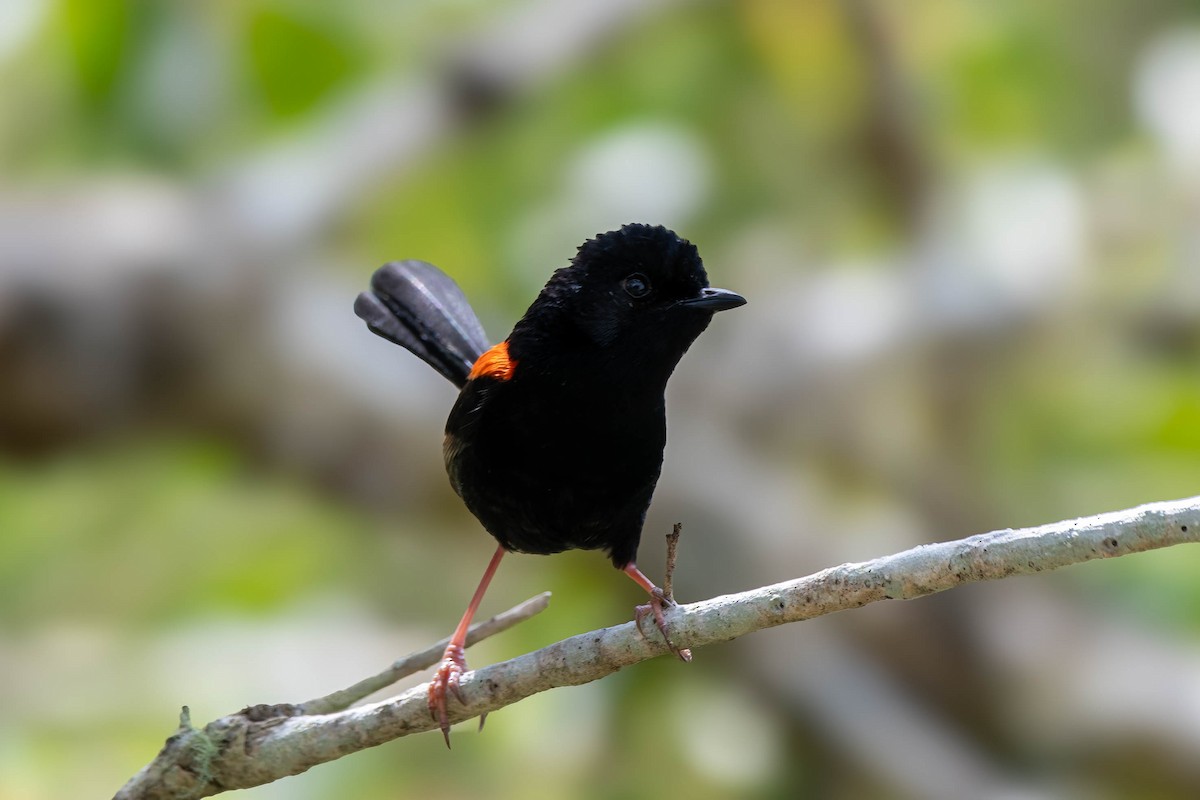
(715, 300)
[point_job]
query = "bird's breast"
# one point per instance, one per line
(549, 466)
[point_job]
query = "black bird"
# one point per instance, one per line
(556, 439)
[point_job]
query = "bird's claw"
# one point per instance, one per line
(445, 682)
(658, 601)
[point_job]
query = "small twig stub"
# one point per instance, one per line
(672, 547)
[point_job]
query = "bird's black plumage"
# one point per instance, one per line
(556, 439)
(416, 305)
(564, 449)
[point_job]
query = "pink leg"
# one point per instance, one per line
(657, 602)
(454, 661)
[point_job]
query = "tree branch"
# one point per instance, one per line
(344, 698)
(245, 749)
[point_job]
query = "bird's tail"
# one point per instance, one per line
(416, 305)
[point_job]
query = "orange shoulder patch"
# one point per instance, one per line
(494, 363)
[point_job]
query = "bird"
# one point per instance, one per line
(556, 439)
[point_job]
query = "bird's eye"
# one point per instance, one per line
(636, 285)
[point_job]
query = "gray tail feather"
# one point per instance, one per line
(419, 307)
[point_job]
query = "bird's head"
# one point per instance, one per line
(639, 293)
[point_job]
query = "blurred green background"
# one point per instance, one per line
(970, 237)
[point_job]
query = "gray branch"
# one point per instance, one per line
(264, 744)
(344, 698)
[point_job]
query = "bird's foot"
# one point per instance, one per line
(444, 683)
(659, 601)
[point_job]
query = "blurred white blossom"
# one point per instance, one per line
(1167, 97)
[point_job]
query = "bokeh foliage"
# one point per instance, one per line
(130, 543)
